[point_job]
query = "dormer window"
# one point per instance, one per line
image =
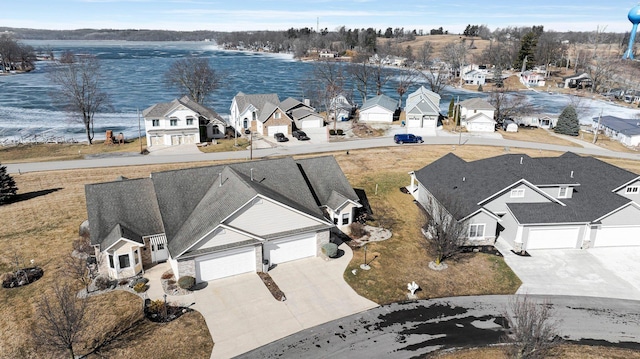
(562, 192)
(155, 123)
(517, 193)
(189, 121)
(173, 122)
(632, 190)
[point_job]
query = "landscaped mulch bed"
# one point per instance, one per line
(272, 286)
(155, 311)
(22, 277)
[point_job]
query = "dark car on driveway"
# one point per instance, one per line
(280, 137)
(300, 135)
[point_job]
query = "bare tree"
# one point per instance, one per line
(405, 79)
(194, 77)
(79, 90)
(381, 75)
(330, 77)
(78, 269)
(61, 319)
(456, 55)
(533, 332)
(509, 104)
(437, 77)
(361, 74)
(445, 231)
(424, 54)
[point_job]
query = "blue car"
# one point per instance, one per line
(407, 138)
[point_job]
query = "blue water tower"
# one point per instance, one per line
(634, 17)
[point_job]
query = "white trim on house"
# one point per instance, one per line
(617, 210)
(486, 211)
(528, 184)
(625, 184)
(123, 239)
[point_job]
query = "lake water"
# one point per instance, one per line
(133, 77)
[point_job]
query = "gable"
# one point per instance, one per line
(264, 217)
(530, 194)
(624, 216)
(480, 118)
(220, 237)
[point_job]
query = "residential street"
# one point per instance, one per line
(465, 139)
(413, 329)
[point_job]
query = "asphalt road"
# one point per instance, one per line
(134, 159)
(414, 329)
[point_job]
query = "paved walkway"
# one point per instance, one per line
(242, 315)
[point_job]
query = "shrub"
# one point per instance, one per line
(102, 283)
(357, 230)
(340, 132)
(167, 275)
(156, 306)
(7, 278)
(186, 282)
(83, 245)
(140, 287)
(171, 281)
(171, 287)
(479, 88)
(330, 249)
(136, 281)
(123, 282)
(332, 132)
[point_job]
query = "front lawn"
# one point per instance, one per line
(226, 145)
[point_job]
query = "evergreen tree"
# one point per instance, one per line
(451, 104)
(568, 123)
(8, 187)
(480, 88)
(527, 51)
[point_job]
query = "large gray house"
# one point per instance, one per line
(568, 201)
(218, 221)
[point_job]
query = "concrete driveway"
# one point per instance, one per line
(597, 272)
(242, 314)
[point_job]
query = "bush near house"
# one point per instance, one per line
(186, 282)
(330, 249)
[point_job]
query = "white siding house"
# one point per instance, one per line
(422, 111)
(378, 109)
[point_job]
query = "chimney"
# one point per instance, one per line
(307, 102)
(464, 179)
(571, 174)
(521, 158)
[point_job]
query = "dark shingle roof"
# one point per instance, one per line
(128, 203)
(325, 176)
(258, 100)
(473, 182)
(383, 101)
(477, 104)
(628, 127)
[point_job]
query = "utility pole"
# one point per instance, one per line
(251, 145)
(139, 130)
(595, 133)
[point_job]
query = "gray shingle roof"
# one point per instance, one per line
(423, 93)
(258, 100)
(160, 110)
(383, 101)
(628, 127)
(477, 104)
(325, 177)
(128, 203)
(472, 182)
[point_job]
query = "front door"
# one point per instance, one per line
(159, 252)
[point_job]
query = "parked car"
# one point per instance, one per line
(300, 135)
(407, 138)
(280, 137)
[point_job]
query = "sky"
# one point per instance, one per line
(247, 15)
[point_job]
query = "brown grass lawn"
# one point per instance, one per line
(64, 151)
(606, 142)
(42, 228)
(565, 351)
(226, 145)
(536, 135)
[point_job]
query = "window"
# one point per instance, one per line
(476, 231)
(517, 193)
(562, 192)
(245, 123)
(632, 190)
(123, 260)
(111, 265)
(135, 257)
(345, 218)
(216, 130)
(189, 121)
(155, 123)
(277, 115)
(335, 220)
(160, 246)
(173, 122)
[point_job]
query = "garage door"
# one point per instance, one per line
(176, 140)
(272, 130)
(190, 139)
(291, 248)
(225, 264)
(617, 236)
(157, 141)
(549, 238)
(481, 127)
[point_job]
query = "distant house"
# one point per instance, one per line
(245, 109)
(342, 106)
(476, 115)
(510, 126)
(303, 115)
(532, 79)
(378, 109)
(582, 80)
(422, 111)
(626, 131)
(475, 77)
(181, 121)
(541, 121)
(327, 54)
(271, 120)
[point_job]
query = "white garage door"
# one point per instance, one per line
(272, 130)
(313, 123)
(225, 264)
(157, 140)
(176, 140)
(617, 236)
(548, 238)
(291, 248)
(481, 127)
(190, 139)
